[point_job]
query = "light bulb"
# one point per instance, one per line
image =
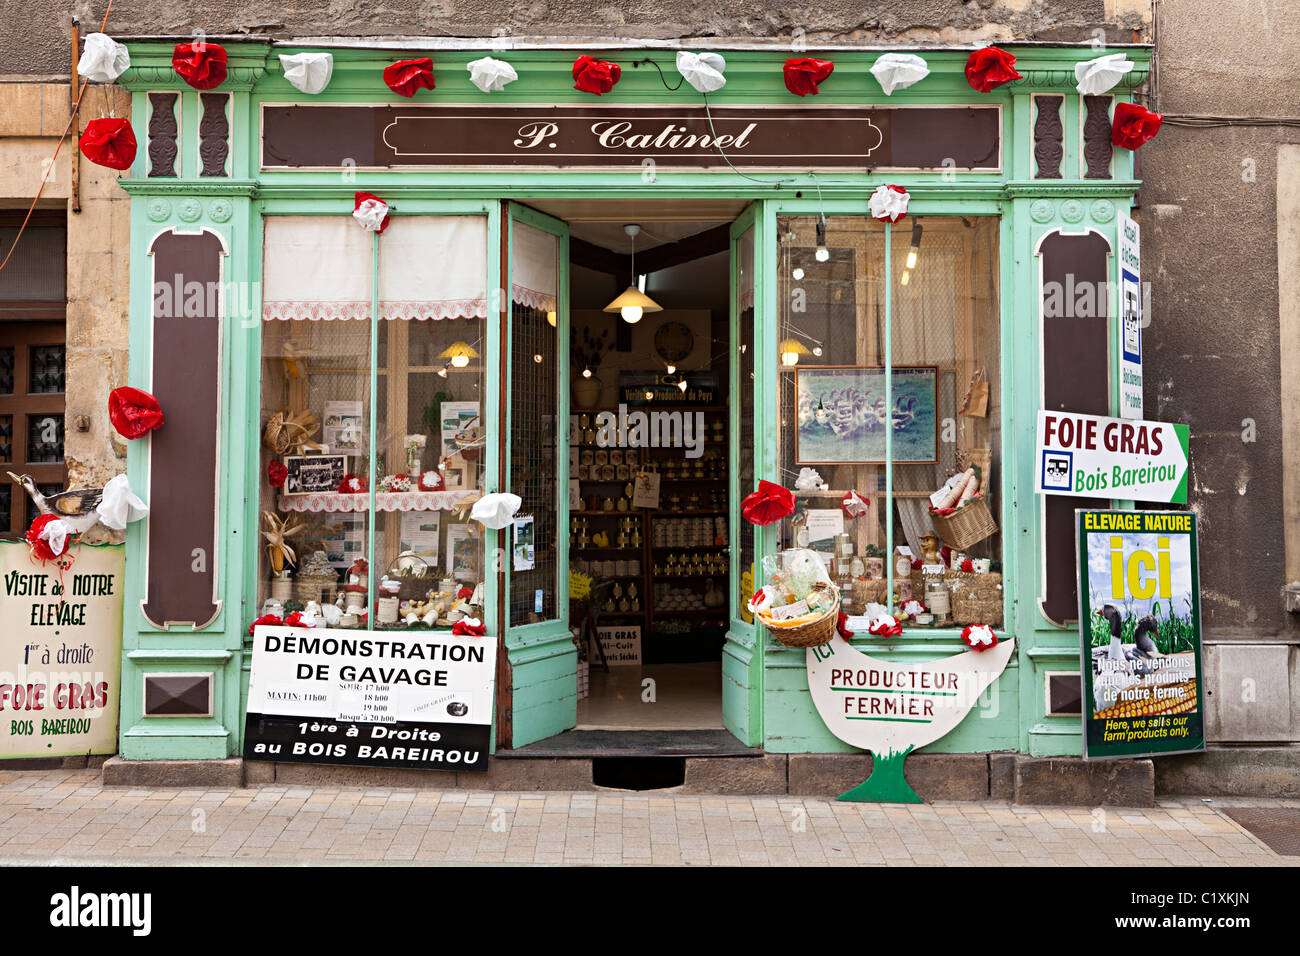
(911, 258)
(822, 254)
(682, 385)
(817, 350)
(459, 361)
(631, 314)
(649, 396)
(443, 371)
(798, 274)
(905, 278)
(789, 358)
(672, 369)
(537, 358)
(550, 318)
(586, 373)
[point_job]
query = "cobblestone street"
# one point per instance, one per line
(65, 816)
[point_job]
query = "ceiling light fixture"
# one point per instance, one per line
(822, 254)
(633, 303)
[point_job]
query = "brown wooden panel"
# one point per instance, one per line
(183, 492)
(1076, 378)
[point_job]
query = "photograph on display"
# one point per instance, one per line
(343, 427)
(842, 415)
(524, 554)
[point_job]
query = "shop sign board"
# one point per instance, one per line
(611, 135)
(892, 707)
(61, 657)
(418, 700)
(1140, 633)
(1097, 457)
(1130, 310)
(621, 644)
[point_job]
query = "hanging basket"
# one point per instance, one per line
(965, 527)
(812, 633)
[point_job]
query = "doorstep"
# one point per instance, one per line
(635, 743)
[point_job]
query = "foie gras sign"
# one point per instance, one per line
(630, 135)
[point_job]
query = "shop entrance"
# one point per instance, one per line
(653, 464)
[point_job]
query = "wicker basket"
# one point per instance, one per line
(813, 634)
(976, 598)
(967, 526)
(313, 587)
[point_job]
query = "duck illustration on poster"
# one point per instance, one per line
(892, 708)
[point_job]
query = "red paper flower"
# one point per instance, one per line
(134, 413)
(854, 505)
(803, 74)
(916, 564)
(595, 76)
(469, 626)
(769, 503)
(108, 142)
(295, 620)
(276, 473)
(465, 593)
(886, 625)
(968, 566)
(352, 485)
(989, 67)
(979, 637)
(200, 64)
(842, 625)
(40, 546)
(945, 555)
(270, 620)
(361, 197)
(407, 76)
(1134, 125)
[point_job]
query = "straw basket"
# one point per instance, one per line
(967, 526)
(976, 598)
(814, 633)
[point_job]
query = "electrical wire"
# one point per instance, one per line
(1205, 121)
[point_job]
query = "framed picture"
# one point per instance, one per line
(841, 415)
(344, 427)
(524, 549)
(313, 473)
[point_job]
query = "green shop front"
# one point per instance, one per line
(338, 399)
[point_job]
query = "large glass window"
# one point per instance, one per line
(412, 409)
(934, 428)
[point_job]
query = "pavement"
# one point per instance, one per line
(67, 816)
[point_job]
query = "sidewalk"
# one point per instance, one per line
(66, 816)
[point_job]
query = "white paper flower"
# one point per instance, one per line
(898, 71)
(885, 625)
(119, 506)
(761, 601)
(370, 213)
(491, 75)
(56, 533)
(1100, 75)
(497, 510)
(702, 70)
(979, 636)
(888, 203)
(308, 72)
(104, 59)
(332, 615)
(808, 481)
(913, 608)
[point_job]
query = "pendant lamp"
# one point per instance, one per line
(633, 303)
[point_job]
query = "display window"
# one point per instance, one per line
(889, 411)
(374, 437)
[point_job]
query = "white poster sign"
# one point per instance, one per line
(1130, 310)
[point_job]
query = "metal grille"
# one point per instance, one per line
(47, 369)
(7, 370)
(38, 270)
(1278, 827)
(6, 439)
(44, 439)
(534, 472)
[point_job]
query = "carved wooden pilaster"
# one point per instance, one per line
(214, 133)
(1048, 137)
(1097, 147)
(162, 134)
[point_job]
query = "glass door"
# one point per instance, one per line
(533, 554)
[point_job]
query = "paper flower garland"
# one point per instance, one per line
(108, 142)
(431, 481)
(269, 620)
(48, 537)
(134, 413)
(395, 483)
(490, 74)
(200, 64)
(308, 72)
(1100, 75)
(804, 74)
(898, 71)
(1134, 125)
(469, 626)
(889, 202)
(595, 76)
(809, 480)
(702, 70)
(979, 637)
(913, 608)
(885, 625)
(406, 77)
(842, 626)
(104, 59)
(988, 68)
(854, 505)
(352, 484)
(276, 473)
(496, 511)
(370, 211)
(770, 503)
(119, 506)
(968, 566)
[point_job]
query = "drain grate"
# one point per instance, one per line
(1279, 827)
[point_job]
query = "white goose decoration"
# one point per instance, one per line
(892, 708)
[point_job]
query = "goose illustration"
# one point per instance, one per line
(904, 412)
(78, 508)
(891, 709)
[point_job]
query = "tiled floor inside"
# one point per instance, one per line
(66, 816)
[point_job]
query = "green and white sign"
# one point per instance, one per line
(1098, 457)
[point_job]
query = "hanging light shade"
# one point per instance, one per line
(632, 303)
(460, 353)
(790, 350)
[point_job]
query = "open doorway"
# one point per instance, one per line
(648, 471)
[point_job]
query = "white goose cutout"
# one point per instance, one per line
(891, 708)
